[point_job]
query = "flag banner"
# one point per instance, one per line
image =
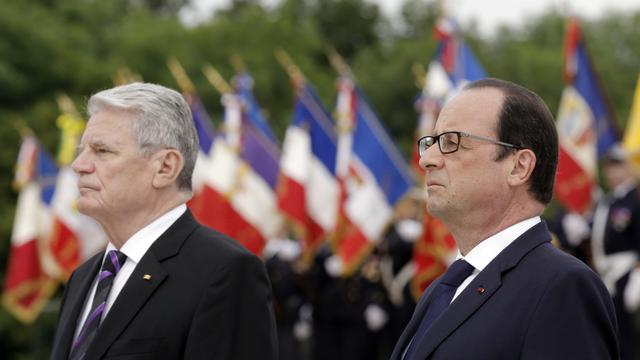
(577, 163)
(307, 186)
(208, 205)
(585, 126)
(432, 254)
(455, 56)
(230, 195)
(27, 287)
(243, 84)
(372, 173)
(212, 176)
(254, 174)
(631, 141)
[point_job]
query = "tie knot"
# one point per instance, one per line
(113, 262)
(458, 271)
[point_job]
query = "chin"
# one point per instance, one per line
(85, 207)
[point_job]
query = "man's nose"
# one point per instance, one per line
(431, 157)
(81, 163)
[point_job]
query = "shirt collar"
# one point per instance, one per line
(483, 253)
(138, 244)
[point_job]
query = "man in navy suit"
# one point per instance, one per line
(168, 288)
(490, 168)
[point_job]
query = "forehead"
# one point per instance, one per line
(474, 110)
(109, 125)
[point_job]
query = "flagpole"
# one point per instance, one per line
(289, 66)
(215, 79)
(124, 75)
(180, 75)
(237, 63)
(339, 64)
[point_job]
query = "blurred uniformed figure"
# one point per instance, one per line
(290, 296)
(572, 233)
(616, 244)
(349, 311)
(397, 267)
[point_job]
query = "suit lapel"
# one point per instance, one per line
(413, 324)
(74, 303)
(470, 300)
(138, 290)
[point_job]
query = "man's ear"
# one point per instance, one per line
(168, 165)
(523, 164)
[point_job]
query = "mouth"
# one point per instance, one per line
(84, 188)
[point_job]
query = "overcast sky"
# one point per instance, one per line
(487, 13)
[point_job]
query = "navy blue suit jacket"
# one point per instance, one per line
(531, 302)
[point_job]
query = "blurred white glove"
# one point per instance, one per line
(375, 317)
(409, 229)
(302, 328)
(333, 266)
(576, 228)
(632, 291)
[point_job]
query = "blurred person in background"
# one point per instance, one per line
(615, 244)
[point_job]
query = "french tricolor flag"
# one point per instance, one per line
(27, 287)
(210, 203)
(231, 193)
(308, 189)
(372, 174)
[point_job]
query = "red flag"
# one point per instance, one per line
(432, 254)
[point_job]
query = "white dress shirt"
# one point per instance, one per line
(483, 253)
(135, 248)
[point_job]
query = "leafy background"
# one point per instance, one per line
(49, 47)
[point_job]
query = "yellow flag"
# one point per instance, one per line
(71, 128)
(631, 142)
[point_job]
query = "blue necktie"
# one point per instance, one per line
(440, 299)
(110, 267)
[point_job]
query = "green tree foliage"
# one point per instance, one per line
(75, 46)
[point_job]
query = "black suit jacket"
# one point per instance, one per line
(207, 298)
(531, 302)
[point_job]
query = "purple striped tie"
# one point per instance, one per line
(110, 267)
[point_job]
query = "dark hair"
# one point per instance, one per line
(525, 121)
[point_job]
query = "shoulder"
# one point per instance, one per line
(553, 273)
(208, 246)
(551, 262)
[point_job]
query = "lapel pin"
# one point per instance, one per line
(480, 290)
(147, 277)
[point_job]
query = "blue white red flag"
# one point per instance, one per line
(307, 188)
(372, 174)
(27, 287)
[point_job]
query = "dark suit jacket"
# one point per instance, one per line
(537, 303)
(208, 298)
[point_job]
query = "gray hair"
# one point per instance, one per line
(163, 121)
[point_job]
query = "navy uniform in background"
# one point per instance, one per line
(616, 245)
